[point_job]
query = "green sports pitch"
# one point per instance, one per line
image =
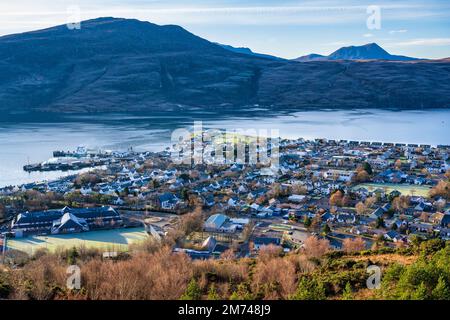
(404, 189)
(107, 240)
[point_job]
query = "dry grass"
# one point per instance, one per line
(385, 259)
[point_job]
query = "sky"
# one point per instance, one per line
(285, 28)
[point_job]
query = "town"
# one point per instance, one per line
(353, 193)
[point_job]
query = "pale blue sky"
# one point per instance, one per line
(284, 28)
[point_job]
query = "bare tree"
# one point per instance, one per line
(350, 245)
(315, 247)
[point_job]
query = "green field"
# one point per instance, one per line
(404, 189)
(108, 240)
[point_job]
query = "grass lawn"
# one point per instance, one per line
(404, 189)
(280, 227)
(108, 240)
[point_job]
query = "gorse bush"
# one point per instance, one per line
(427, 278)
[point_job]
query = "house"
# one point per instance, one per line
(377, 213)
(118, 202)
(209, 244)
(327, 216)
(421, 227)
(86, 191)
(362, 192)
(424, 206)
(168, 201)
(346, 218)
(393, 236)
(297, 198)
(339, 175)
(220, 223)
(260, 242)
(232, 202)
(209, 200)
(445, 220)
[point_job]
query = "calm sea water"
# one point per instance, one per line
(35, 140)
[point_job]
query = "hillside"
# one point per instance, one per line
(115, 64)
(419, 272)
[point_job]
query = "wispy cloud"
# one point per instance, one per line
(398, 31)
(368, 35)
(162, 12)
(424, 42)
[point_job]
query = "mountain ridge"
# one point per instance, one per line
(116, 64)
(248, 51)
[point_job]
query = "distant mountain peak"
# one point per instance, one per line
(248, 51)
(369, 51)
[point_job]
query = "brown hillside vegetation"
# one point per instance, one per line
(419, 272)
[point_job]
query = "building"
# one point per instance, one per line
(339, 175)
(260, 242)
(168, 201)
(221, 223)
(297, 198)
(66, 220)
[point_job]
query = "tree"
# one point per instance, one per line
(2, 211)
(185, 194)
(350, 245)
(307, 221)
(447, 174)
(316, 248)
(72, 256)
(326, 229)
(424, 217)
(310, 290)
(441, 189)
(270, 251)
(193, 291)
(370, 201)
(420, 293)
(360, 208)
(316, 222)
(367, 167)
(336, 198)
(242, 293)
(362, 176)
(212, 293)
(441, 291)
(380, 223)
(400, 203)
(347, 293)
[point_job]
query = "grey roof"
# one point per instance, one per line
(216, 220)
(48, 217)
